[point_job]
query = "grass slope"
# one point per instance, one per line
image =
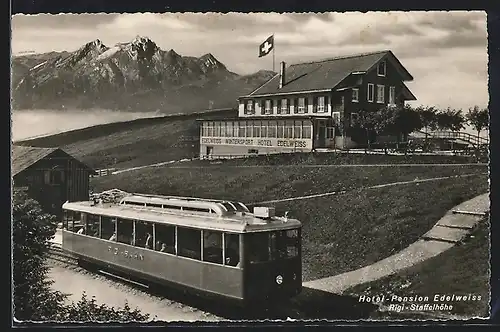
(341, 233)
(462, 270)
(131, 143)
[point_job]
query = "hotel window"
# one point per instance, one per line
(263, 129)
(250, 108)
(256, 129)
(281, 128)
(288, 129)
(297, 129)
(285, 108)
(235, 129)
(371, 92)
(229, 129)
(380, 94)
(392, 95)
(268, 108)
(217, 129)
(210, 129)
(278, 106)
(204, 129)
(320, 104)
(381, 68)
(271, 130)
(306, 129)
(242, 129)
(302, 105)
(249, 129)
(355, 95)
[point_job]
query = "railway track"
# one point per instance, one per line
(324, 305)
(57, 254)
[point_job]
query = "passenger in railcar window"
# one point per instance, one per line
(232, 244)
(82, 230)
(113, 237)
(107, 227)
(212, 246)
(149, 239)
(163, 247)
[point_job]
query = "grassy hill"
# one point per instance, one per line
(132, 143)
(341, 232)
(462, 270)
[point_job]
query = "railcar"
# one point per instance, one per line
(212, 247)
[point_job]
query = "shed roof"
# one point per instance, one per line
(26, 156)
(327, 74)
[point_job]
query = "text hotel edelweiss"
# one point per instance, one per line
(436, 302)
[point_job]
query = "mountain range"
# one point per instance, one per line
(135, 76)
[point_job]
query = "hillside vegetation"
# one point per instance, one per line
(341, 232)
(462, 270)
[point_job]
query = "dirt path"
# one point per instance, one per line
(115, 294)
(288, 166)
(429, 246)
(371, 187)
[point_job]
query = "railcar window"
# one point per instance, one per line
(292, 242)
(68, 218)
(78, 222)
(144, 234)
(212, 246)
(165, 238)
(108, 228)
(93, 225)
(232, 249)
(257, 247)
(189, 242)
(277, 245)
(125, 231)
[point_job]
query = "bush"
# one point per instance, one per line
(87, 310)
(34, 300)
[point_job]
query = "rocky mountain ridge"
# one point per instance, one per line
(137, 75)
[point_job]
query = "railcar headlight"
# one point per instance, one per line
(279, 279)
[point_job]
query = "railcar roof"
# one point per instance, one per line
(244, 223)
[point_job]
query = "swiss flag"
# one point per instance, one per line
(266, 46)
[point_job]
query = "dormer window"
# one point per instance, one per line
(268, 106)
(284, 106)
(250, 106)
(381, 69)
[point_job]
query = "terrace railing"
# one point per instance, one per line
(474, 140)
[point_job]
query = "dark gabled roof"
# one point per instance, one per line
(327, 74)
(26, 156)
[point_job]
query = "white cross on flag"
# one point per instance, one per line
(266, 46)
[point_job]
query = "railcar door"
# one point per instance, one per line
(272, 265)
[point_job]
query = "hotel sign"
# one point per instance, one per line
(260, 142)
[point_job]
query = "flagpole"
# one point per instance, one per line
(274, 46)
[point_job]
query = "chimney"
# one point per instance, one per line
(282, 74)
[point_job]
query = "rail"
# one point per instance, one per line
(56, 253)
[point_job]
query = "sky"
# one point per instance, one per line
(446, 52)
